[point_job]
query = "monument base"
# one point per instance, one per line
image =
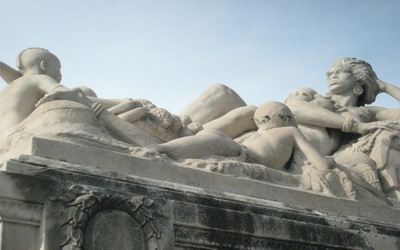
(64, 195)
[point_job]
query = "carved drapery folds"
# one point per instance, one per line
(83, 205)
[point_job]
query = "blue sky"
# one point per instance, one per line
(169, 51)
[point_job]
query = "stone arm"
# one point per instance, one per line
(46, 84)
(122, 129)
(235, 122)
(8, 73)
(311, 114)
(106, 103)
(384, 114)
(389, 89)
(312, 155)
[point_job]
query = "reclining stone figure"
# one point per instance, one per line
(276, 139)
(274, 144)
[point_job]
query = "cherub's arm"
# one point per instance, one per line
(8, 73)
(46, 84)
(312, 155)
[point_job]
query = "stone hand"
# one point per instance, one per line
(363, 128)
(130, 110)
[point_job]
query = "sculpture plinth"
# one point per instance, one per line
(56, 189)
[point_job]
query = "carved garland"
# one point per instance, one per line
(85, 204)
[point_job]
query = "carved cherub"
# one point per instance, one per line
(38, 82)
(158, 123)
(40, 75)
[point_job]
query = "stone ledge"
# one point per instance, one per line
(197, 217)
(214, 185)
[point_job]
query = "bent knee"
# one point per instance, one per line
(88, 91)
(220, 87)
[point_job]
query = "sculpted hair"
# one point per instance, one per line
(40, 55)
(365, 75)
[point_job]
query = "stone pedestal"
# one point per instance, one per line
(58, 195)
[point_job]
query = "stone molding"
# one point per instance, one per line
(86, 203)
(15, 211)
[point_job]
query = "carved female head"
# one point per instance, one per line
(355, 75)
(273, 115)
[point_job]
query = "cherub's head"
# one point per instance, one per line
(273, 115)
(40, 62)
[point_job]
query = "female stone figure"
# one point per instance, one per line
(340, 124)
(364, 139)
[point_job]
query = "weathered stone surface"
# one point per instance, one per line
(19, 218)
(113, 230)
(188, 216)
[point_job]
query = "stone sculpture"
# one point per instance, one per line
(274, 145)
(82, 172)
(41, 71)
(337, 121)
(34, 103)
(340, 123)
(277, 134)
(39, 83)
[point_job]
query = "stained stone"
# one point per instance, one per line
(113, 230)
